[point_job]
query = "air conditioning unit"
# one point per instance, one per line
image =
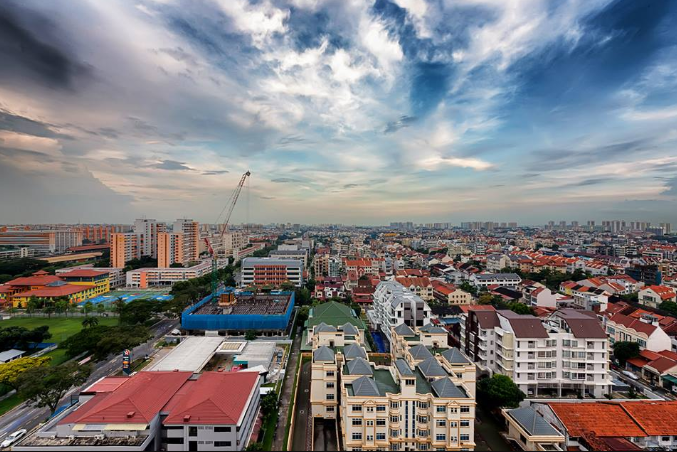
(101, 436)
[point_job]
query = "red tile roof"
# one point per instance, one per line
(634, 324)
(215, 398)
(106, 384)
(56, 291)
(655, 418)
(36, 280)
(664, 292)
(602, 419)
(137, 401)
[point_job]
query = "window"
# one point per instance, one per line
(465, 409)
(665, 438)
(394, 405)
(192, 431)
(410, 382)
(357, 436)
(370, 423)
(174, 440)
(465, 437)
(330, 385)
(356, 407)
(380, 408)
(453, 410)
(330, 396)
(222, 429)
(380, 437)
(394, 419)
(422, 405)
(465, 423)
(394, 433)
(440, 437)
(380, 422)
(330, 374)
(370, 409)
(221, 443)
(441, 423)
(330, 409)
(441, 409)
(453, 424)
(370, 437)
(356, 422)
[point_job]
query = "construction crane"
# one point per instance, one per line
(229, 206)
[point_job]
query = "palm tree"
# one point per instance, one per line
(88, 307)
(89, 322)
(118, 304)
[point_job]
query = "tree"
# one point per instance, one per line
(32, 304)
(485, 298)
(520, 308)
(176, 265)
(10, 372)
(140, 311)
(88, 307)
(250, 335)
(102, 340)
(497, 392)
(269, 405)
(669, 307)
(624, 350)
(90, 322)
(20, 337)
(255, 446)
(49, 309)
(45, 386)
(118, 306)
(100, 308)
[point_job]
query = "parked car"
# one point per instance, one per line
(11, 439)
(629, 374)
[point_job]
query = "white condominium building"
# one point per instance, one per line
(395, 305)
(566, 353)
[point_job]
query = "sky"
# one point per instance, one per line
(344, 111)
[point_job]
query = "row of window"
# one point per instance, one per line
(420, 405)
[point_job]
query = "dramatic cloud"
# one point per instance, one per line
(346, 111)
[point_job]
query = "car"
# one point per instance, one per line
(11, 439)
(629, 374)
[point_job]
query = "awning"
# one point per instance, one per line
(671, 378)
(126, 427)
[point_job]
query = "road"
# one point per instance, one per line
(28, 417)
(287, 391)
(643, 388)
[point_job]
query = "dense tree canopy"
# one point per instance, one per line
(45, 386)
(20, 337)
(499, 391)
(11, 371)
(101, 341)
(623, 351)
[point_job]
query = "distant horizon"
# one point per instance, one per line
(343, 111)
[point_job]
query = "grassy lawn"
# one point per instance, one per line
(61, 327)
(58, 356)
(269, 429)
(9, 403)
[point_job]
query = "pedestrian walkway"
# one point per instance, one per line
(287, 392)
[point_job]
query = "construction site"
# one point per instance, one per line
(234, 312)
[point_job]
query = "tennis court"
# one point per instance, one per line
(128, 296)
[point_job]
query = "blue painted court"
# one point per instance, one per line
(127, 297)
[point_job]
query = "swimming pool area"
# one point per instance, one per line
(128, 296)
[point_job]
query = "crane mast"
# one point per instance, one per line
(230, 206)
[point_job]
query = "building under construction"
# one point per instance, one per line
(235, 312)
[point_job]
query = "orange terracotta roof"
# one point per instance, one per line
(41, 279)
(602, 419)
(57, 291)
(656, 418)
(665, 293)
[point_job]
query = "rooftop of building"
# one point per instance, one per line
(335, 314)
(247, 303)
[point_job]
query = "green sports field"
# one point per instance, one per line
(61, 327)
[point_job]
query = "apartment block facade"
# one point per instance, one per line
(170, 249)
(268, 271)
(394, 305)
(566, 353)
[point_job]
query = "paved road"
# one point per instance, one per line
(287, 392)
(28, 417)
(302, 423)
(643, 388)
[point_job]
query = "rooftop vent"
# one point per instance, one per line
(131, 414)
(186, 418)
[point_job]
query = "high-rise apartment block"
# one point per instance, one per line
(123, 248)
(191, 239)
(170, 249)
(148, 230)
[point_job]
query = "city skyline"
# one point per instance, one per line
(345, 111)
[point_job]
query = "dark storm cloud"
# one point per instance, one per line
(171, 165)
(31, 53)
(21, 124)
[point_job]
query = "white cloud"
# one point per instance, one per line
(418, 10)
(259, 20)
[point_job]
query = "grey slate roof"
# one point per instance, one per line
(349, 329)
(446, 388)
(324, 328)
(420, 352)
(351, 351)
(359, 366)
(532, 422)
(404, 330)
(10, 354)
(454, 356)
(403, 367)
(430, 328)
(431, 368)
(324, 353)
(365, 387)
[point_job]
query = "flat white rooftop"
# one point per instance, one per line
(191, 355)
